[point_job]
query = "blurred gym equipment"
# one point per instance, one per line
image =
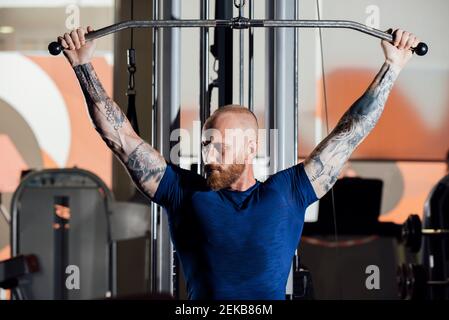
(362, 241)
(78, 223)
(430, 279)
(16, 270)
(67, 211)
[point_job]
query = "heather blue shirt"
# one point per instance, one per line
(231, 244)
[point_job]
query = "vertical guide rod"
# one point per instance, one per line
(241, 57)
(251, 60)
(295, 85)
(154, 207)
(295, 105)
(168, 120)
(204, 74)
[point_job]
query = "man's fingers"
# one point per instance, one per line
(89, 30)
(63, 43)
(75, 39)
(404, 40)
(81, 37)
(397, 36)
(410, 41)
(69, 41)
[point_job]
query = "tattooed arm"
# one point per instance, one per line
(144, 164)
(325, 163)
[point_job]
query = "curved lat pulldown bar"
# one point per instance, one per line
(239, 23)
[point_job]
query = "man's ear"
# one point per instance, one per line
(252, 149)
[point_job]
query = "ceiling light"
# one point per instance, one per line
(6, 29)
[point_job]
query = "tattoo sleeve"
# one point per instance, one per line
(325, 163)
(100, 105)
(145, 165)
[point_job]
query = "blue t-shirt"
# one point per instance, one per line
(231, 244)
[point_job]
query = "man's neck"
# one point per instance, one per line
(245, 181)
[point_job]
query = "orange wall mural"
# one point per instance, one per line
(84, 149)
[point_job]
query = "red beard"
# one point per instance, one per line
(222, 178)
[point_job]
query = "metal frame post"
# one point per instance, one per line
(155, 91)
(225, 47)
(169, 120)
(251, 60)
(241, 56)
(280, 90)
(204, 75)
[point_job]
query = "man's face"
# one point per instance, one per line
(226, 153)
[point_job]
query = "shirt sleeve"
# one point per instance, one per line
(296, 186)
(175, 187)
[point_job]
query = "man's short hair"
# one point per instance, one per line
(232, 108)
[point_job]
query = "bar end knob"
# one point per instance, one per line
(55, 48)
(421, 49)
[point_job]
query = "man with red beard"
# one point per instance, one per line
(235, 236)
